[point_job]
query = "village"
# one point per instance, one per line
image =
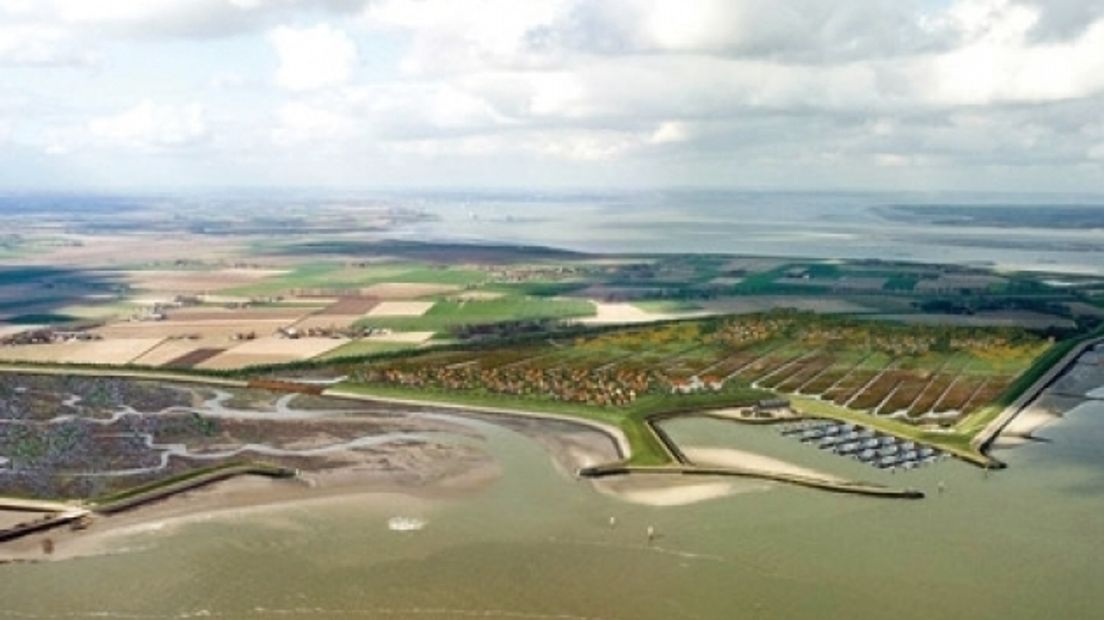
(930, 377)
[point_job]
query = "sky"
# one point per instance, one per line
(917, 95)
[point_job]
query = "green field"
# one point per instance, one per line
(332, 275)
(361, 348)
(663, 306)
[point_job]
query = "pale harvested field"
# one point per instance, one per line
(620, 314)
(272, 350)
(129, 249)
(407, 290)
(324, 321)
(350, 306)
(120, 351)
(151, 300)
(196, 281)
(400, 308)
(400, 337)
(288, 314)
(36, 352)
(8, 330)
(224, 299)
(184, 329)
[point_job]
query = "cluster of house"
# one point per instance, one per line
(769, 407)
(696, 384)
(897, 343)
(748, 330)
(916, 341)
(594, 387)
(160, 310)
(48, 336)
(864, 444)
(529, 273)
(329, 331)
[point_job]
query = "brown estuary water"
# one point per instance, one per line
(1026, 542)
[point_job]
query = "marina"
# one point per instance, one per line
(862, 444)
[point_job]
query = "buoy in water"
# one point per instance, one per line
(613, 521)
(651, 533)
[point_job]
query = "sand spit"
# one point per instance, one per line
(665, 491)
(752, 462)
(1046, 409)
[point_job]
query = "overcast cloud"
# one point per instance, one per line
(800, 94)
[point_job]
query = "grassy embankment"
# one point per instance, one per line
(646, 447)
(976, 423)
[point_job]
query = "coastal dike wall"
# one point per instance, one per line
(38, 525)
(854, 488)
(157, 492)
(985, 438)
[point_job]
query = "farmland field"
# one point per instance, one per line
(447, 314)
(343, 277)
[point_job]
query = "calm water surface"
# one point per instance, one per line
(1023, 543)
(818, 225)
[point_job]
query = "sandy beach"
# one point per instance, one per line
(1081, 382)
(750, 461)
(663, 491)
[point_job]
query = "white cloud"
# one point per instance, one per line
(588, 146)
(299, 122)
(867, 83)
(1001, 64)
(670, 132)
(312, 58)
(23, 44)
(568, 145)
(152, 127)
(454, 36)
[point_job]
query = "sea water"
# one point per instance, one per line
(814, 225)
(1025, 542)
